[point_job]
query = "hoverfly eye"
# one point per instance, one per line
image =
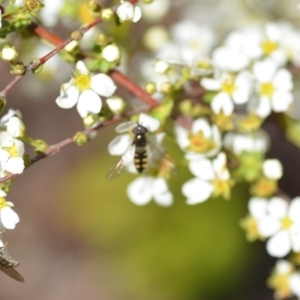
(139, 129)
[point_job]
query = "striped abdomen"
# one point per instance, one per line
(140, 159)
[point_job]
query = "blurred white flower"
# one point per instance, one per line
(49, 13)
(231, 90)
(203, 140)
(272, 169)
(238, 143)
(128, 12)
(211, 179)
(11, 154)
(8, 217)
(274, 88)
(11, 113)
(278, 221)
(155, 10)
(111, 53)
(85, 89)
(143, 189)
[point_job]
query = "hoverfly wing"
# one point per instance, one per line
(158, 158)
(12, 273)
(119, 166)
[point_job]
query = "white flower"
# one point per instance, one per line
(145, 188)
(285, 280)
(128, 12)
(279, 221)
(11, 154)
(203, 140)
(239, 143)
(111, 53)
(0, 19)
(85, 89)
(8, 217)
(15, 127)
(190, 46)
(11, 113)
(9, 53)
(49, 13)
(274, 88)
(231, 90)
(211, 176)
(155, 10)
(272, 169)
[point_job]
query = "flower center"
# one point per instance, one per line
(228, 86)
(2, 202)
(82, 82)
(286, 223)
(280, 283)
(269, 46)
(267, 89)
(13, 150)
(199, 143)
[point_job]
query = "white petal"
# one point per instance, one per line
(202, 125)
(283, 80)
(181, 136)
(279, 245)
(4, 155)
(202, 169)
(278, 207)
(149, 122)
(162, 195)
(222, 103)
(15, 165)
(140, 191)
(1, 243)
(265, 70)
(241, 95)
(268, 226)
(103, 85)
(2, 193)
(294, 281)
(272, 169)
(9, 218)
(88, 102)
(137, 14)
(295, 240)
(196, 190)
(211, 84)
(257, 207)
(294, 209)
(281, 101)
(68, 97)
(81, 67)
(263, 108)
(220, 166)
(119, 144)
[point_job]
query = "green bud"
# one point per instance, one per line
(116, 104)
(2, 103)
(40, 146)
(80, 138)
(107, 15)
(34, 6)
(147, 1)
(150, 87)
(101, 40)
(94, 6)
(37, 69)
(185, 107)
(76, 35)
(90, 120)
(27, 160)
(166, 88)
(17, 68)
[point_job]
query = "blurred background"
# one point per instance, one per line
(81, 238)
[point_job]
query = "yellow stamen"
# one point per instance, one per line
(2, 202)
(286, 223)
(82, 82)
(228, 86)
(269, 46)
(199, 143)
(280, 283)
(267, 89)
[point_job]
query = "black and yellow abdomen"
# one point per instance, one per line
(140, 160)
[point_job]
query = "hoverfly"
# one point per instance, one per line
(7, 265)
(142, 151)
